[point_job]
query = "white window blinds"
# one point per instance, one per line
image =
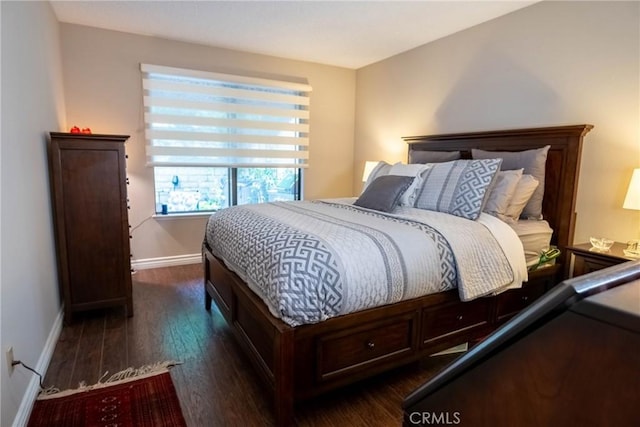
(196, 118)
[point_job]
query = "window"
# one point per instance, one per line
(217, 140)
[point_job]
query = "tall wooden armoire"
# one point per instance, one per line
(90, 209)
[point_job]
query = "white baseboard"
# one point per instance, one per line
(29, 398)
(169, 261)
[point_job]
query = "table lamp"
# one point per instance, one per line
(368, 168)
(632, 201)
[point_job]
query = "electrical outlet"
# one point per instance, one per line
(9, 355)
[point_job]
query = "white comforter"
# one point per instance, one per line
(310, 261)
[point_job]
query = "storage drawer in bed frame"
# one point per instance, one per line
(509, 303)
(350, 350)
(455, 319)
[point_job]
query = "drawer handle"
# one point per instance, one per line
(459, 317)
(371, 345)
(525, 298)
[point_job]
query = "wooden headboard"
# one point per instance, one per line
(562, 169)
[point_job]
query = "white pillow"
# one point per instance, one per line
(524, 190)
(415, 170)
(502, 192)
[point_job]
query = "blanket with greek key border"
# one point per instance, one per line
(313, 260)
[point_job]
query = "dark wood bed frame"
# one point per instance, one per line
(298, 363)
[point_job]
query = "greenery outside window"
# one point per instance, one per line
(201, 189)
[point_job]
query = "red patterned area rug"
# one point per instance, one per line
(142, 397)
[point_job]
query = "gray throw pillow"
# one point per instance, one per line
(533, 162)
(433, 156)
(383, 194)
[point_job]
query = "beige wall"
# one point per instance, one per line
(103, 91)
(32, 105)
(552, 63)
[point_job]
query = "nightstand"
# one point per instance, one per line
(587, 260)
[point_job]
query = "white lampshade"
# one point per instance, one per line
(368, 168)
(632, 201)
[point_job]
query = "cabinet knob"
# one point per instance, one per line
(371, 345)
(126, 156)
(459, 317)
(525, 298)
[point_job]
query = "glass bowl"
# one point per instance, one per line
(601, 243)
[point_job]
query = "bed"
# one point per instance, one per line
(302, 361)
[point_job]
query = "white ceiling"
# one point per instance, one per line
(349, 34)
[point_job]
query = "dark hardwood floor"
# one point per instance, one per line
(215, 383)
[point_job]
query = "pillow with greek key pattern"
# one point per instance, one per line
(458, 188)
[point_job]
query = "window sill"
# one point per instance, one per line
(190, 215)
